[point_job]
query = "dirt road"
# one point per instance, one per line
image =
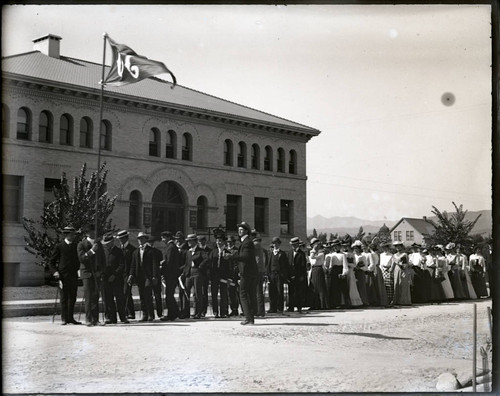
(372, 350)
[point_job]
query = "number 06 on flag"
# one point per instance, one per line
(127, 67)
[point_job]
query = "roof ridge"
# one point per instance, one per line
(21, 54)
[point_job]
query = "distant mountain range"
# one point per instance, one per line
(350, 225)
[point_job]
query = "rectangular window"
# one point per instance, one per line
(48, 189)
(407, 235)
(286, 217)
(411, 235)
(233, 212)
(12, 198)
(260, 215)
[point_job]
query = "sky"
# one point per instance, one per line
(373, 79)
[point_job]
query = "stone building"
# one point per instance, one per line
(178, 159)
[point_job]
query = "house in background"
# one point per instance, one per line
(410, 231)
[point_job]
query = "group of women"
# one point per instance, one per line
(350, 275)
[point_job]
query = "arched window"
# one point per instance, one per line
(201, 216)
(106, 136)
(86, 132)
(268, 159)
(5, 121)
(134, 211)
(154, 142)
(255, 156)
(23, 124)
(242, 155)
(292, 163)
(228, 152)
(280, 163)
(45, 125)
(187, 147)
(66, 130)
(171, 144)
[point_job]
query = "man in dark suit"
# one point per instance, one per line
(248, 271)
(145, 270)
(92, 265)
(277, 273)
(128, 250)
(233, 277)
(170, 272)
(297, 275)
(184, 302)
(113, 281)
(157, 289)
(202, 243)
(195, 273)
(219, 273)
(64, 265)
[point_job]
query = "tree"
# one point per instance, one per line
(359, 236)
(75, 209)
(451, 227)
(315, 233)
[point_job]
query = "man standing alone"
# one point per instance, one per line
(64, 265)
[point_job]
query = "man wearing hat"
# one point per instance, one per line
(113, 281)
(158, 301)
(92, 266)
(128, 250)
(248, 271)
(277, 273)
(64, 265)
(298, 276)
(195, 272)
(145, 270)
(170, 271)
(182, 247)
(261, 258)
(202, 243)
(219, 273)
(234, 299)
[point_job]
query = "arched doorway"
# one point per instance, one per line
(168, 209)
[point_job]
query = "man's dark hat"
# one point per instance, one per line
(246, 226)
(166, 234)
(231, 238)
(179, 235)
(276, 240)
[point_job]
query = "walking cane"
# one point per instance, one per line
(55, 303)
(81, 306)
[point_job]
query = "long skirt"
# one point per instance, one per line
(479, 283)
(447, 289)
(402, 285)
(456, 283)
(361, 284)
(320, 297)
(380, 287)
(420, 289)
(371, 289)
(353, 289)
(436, 293)
(468, 285)
(339, 290)
(389, 283)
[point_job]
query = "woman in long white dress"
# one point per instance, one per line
(351, 278)
(443, 268)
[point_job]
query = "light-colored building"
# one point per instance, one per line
(182, 158)
(410, 231)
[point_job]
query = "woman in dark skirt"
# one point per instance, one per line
(318, 285)
(477, 270)
(455, 274)
(379, 277)
(421, 280)
(436, 293)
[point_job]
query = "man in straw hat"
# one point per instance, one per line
(64, 265)
(128, 250)
(297, 276)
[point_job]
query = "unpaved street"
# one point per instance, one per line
(339, 351)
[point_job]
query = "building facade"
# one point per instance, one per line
(178, 159)
(410, 231)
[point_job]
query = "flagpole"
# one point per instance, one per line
(105, 36)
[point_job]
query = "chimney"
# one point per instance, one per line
(48, 45)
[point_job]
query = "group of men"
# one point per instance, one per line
(235, 275)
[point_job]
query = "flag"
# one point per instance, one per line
(127, 67)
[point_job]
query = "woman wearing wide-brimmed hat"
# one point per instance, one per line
(477, 269)
(403, 276)
(354, 297)
(318, 285)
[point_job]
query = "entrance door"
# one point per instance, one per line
(168, 209)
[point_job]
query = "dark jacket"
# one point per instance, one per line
(64, 259)
(148, 268)
(91, 263)
(247, 266)
(282, 264)
(128, 252)
(298, 265)
(170, 268)
(219, 267)
(196, 262)
(115, 263)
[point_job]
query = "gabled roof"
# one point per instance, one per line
(419, 225)
(86, 75)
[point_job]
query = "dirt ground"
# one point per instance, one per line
(363, 350)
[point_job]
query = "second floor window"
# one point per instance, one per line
(85, 132)
(66, 130)
(23, 124)
(154, 142)
(45, 127)
(187, 147)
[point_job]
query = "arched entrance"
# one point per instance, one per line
(168, 209)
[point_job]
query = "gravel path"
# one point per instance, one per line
(373, 350)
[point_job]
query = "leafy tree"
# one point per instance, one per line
(333, 237)
(75, 209)
(315, 233)
(322, 237)
(359, 236)
(451, 227)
